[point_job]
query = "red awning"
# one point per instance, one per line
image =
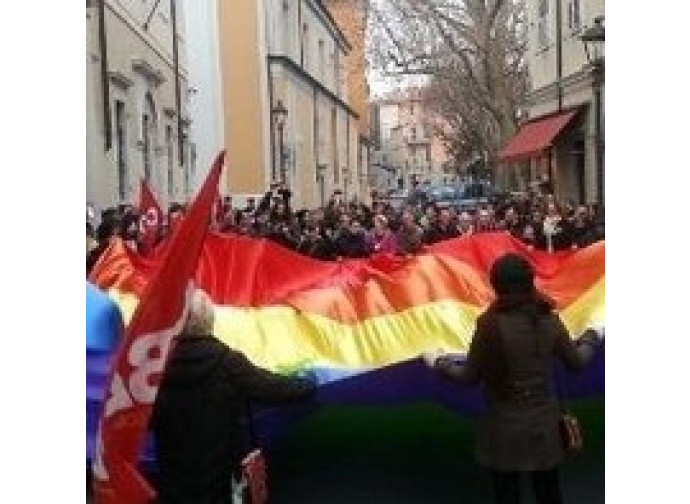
(534, 137)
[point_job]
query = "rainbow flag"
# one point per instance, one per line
(290, 313)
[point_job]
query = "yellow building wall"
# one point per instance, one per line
(241, 60)
(246, 109)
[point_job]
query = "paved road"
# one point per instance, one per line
(408, 455)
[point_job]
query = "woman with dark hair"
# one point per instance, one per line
(512, 355)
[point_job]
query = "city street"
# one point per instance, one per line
(288, 199)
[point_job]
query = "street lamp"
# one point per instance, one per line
(280, 113)
(593, 40)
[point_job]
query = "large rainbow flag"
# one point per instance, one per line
(357, 326)
(290, 313)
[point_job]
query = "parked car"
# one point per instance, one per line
(474, 195)
(462, 196)
(397, 199)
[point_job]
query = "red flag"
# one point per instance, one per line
(143, 353)
(150, 218)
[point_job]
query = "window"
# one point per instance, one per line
(192, 163)
(414, 133)
(185, 166)
(334, 143)
(543, 24)
(286, 27)
(121, 133)
(543, 8)
(148, 130)
(171, 150)
(574, 15)
(336, 71)
(305, 47)
(347, 147)
(147, 147)
(543, 34)
(190, 170)
(322, 60)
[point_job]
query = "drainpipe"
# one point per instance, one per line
(559, 87)
(559, 53)
(176, 70)
(599, 158)
(105, 82)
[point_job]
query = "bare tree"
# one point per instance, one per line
(472, 51)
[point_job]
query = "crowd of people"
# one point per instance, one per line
(351, 229)
(199, 451)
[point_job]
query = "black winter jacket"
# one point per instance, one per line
(198, 418)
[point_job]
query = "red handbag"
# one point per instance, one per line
(254, 471)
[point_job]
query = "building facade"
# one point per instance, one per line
(285, 100)
(566, 92)
(137, 111)
(407, 148)
(352, 18)
(205, 91)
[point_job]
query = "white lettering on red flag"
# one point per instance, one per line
(150, 218)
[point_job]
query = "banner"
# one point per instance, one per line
(291, 313)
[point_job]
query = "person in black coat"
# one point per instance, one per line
(199, 412)
(315, 243)
(511, 222)
(441, 230)
(512, 354)
(350, 241)
(579, 227)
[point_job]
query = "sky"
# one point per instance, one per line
(380, 84)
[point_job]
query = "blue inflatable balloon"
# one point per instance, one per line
(103, 321)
